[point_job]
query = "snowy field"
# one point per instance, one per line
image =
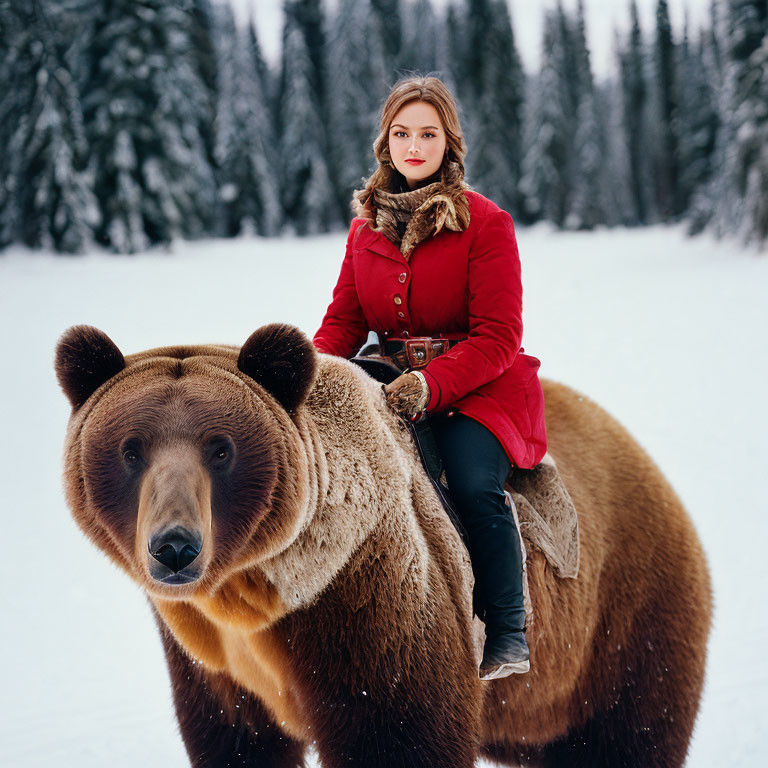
(669, 334)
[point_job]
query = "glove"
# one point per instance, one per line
(407, 394)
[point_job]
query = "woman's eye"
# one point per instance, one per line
(428, 133)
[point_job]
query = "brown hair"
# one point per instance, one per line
(433, 91)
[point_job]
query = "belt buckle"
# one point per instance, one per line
(418, 351)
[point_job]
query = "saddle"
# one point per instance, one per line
(538, 498)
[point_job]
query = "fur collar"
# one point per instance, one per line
(408, 218)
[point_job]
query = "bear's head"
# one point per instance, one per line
(181, 461)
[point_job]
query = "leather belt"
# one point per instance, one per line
(414, 352)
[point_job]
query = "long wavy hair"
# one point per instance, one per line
(433, 91)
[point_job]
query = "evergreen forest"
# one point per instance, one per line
(125, 124)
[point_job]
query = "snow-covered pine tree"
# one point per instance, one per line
(589, 144)
(358, 70)
(728, 203)
(311, 18)
(545, 183)
(699, 119)
(573, 80)
(308, 199)
(457, 38)
(635, 94)
(570, 65)
(685, 56)
(666, 160)
(390, 26)
(714, 41)
(495, 100)
(9, 116)
(52, 204)
(144, 104)
(308, 15)
(583, 59)
(479, 20)
(755, 223)
(263, 71)
(248, 186)
(444, 55)
(420, 48)
(618, 209)
(205, 63)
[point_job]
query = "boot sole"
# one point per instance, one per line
(503, 670)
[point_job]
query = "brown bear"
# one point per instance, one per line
(310, 589)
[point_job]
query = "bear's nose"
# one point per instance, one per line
(175, 548)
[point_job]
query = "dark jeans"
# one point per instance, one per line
(476, 466)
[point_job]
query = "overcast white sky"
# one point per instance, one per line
(602, 17)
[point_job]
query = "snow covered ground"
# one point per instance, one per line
(669, 334)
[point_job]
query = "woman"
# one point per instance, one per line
(427, 256)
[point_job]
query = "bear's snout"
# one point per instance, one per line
(172, 553)
(173, 534)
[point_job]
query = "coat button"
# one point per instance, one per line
(401, 277)
(398, 300)
(401, 314)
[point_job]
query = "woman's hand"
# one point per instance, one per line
(407, 394)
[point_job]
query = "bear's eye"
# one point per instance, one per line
(221, 452)
(131, 453)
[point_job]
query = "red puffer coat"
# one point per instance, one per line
(456, 284)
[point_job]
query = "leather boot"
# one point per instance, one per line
(504, 655)
(498, 569)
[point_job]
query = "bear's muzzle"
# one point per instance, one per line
(173, 536)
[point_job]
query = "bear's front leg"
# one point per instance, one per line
(406, 698)
(222, 725)
(411, 733)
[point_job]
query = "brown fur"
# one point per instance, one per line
(334, 603)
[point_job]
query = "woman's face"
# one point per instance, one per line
(416, 134)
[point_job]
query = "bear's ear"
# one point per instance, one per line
(283, 360)
(85, 358)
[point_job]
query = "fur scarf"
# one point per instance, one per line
(408, 218)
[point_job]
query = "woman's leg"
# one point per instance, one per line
(476, 467)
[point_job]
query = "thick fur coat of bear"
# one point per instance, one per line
(310, 590)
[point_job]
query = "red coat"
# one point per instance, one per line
(458, 284)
